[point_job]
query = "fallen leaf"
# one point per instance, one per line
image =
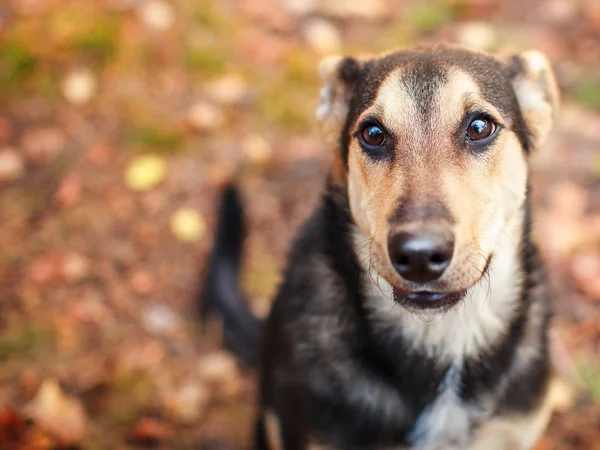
(140, 356)
(478, 36)
(142, 282)
(188, 402)
(46, 268)
(216, 366)
(258, 149)
(227, 90)
(569, 199)
(69, 191)
(322, 36)
(75, 267)
(145, 172)
(156, 15)
(187, 225)
(12, 427)
(30, 7)
(562, 395)
(160, 319)
(585, 269)
(204, 116)
(363, 9)
(43, 144)
(57, 413)
(79, 86)
(5, 129)
(100, 154)
(220, 372)
(149, 431)
(12, 165)
(29, 381)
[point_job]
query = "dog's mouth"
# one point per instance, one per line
(427, 300)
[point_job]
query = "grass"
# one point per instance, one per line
(590, 375)
(133, 392)
(205, 60)
(17, 63)
(154, 137)
(587, 92)
(427, 17)
(211, 16)
(26, 341)
(99, 42)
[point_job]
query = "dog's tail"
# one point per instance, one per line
(221, 294)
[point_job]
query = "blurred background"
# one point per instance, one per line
(119, 122)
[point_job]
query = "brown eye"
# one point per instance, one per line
(373, 135)
(480, 128)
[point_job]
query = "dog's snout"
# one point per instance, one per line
(421, 255)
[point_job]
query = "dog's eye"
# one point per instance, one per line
(480, 128)
(373, 135)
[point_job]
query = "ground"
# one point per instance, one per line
(120, 121)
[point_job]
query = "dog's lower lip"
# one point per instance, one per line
(427, 299)
(426, 296)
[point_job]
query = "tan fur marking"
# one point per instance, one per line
(519, 432)
(538, 95)
(273, 430)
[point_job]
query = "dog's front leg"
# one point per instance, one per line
(352, 406)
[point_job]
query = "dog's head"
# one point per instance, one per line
(431, 146)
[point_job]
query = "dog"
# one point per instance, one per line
(414, 311)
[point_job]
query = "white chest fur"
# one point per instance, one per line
(467, 329)
(451, 337)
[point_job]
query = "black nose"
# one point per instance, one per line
(422, 255)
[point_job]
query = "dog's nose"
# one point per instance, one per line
(422, 255)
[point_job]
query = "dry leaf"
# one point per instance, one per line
(79, 86)
(100, 154)
(227, 90)
(12, 427)
(258, 149)
(322, 36)
(478, 36)
(57, 413)
(562, 395)
(12, 165)
(188, 402)
(585, 269)
(46, 268)
(142, 282)
(149, 431)
(156, 15)
(75, 267)
(204, 116)
(69, 191)
(160, 319)
(140, 356)
(220, 372)
(43, 144)
(145, 172)
(187, 225)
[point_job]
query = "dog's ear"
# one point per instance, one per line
(534, 83)
(339, 75)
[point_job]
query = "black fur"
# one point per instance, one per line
(325, 372)
(221, 292)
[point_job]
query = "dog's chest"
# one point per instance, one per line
(448, 419)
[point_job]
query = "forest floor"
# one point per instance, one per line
(119, 122)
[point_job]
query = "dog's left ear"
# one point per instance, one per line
(534, 83)
(339, 75)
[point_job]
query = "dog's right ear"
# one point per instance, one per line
(339, 75)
